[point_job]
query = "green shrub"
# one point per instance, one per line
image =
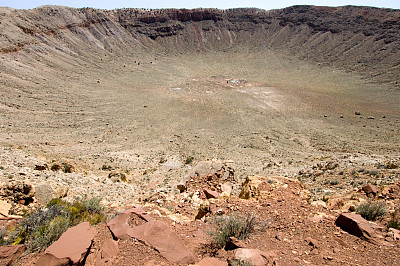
(49, 233)
(372, 210)
(232, 225)
(35, 225)
(40, 228)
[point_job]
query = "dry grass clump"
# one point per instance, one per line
(232, 225)
(372, 210)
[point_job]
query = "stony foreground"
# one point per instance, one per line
(173, 229)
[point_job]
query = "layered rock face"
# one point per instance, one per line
(359, 39)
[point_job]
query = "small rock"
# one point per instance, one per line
(316, 219)
(255, 257)
(234, 243)
(181, 187)
(370, 117)
(279, 236)
(117, 177)
(44, 192)
(312, 242)
(204, 209)
(42, 167)
(210, 193)
(352, 208)
(370, 190)
(227, 188)
(319, 203)
(5, 207)
(395, 234)
(357, 113)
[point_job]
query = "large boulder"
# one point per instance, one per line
(156, 234)
(9, 254)
(119, 226)
(72, 247)
(161, 237)
(255, 257)
(356, 225)
(44, 192)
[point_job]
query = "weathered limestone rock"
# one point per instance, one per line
(44, 192)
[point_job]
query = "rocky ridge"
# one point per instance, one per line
(361, 39)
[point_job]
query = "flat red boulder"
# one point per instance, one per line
(161, 237)
(155, 234)
(72, 247)
(119, 225)
(9, 254)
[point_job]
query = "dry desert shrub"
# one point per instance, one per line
(232, 225)
(372, 210)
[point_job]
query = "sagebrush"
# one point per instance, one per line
(232, 225)
(372, 210)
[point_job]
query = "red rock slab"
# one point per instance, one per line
(370, 189)
(9, 254)
(119, 225)
(71, 248)
(108, 253)
(208, 261)
(255, 257)
(356, 225)
(161, 237)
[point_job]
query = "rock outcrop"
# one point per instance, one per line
(321, 34)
